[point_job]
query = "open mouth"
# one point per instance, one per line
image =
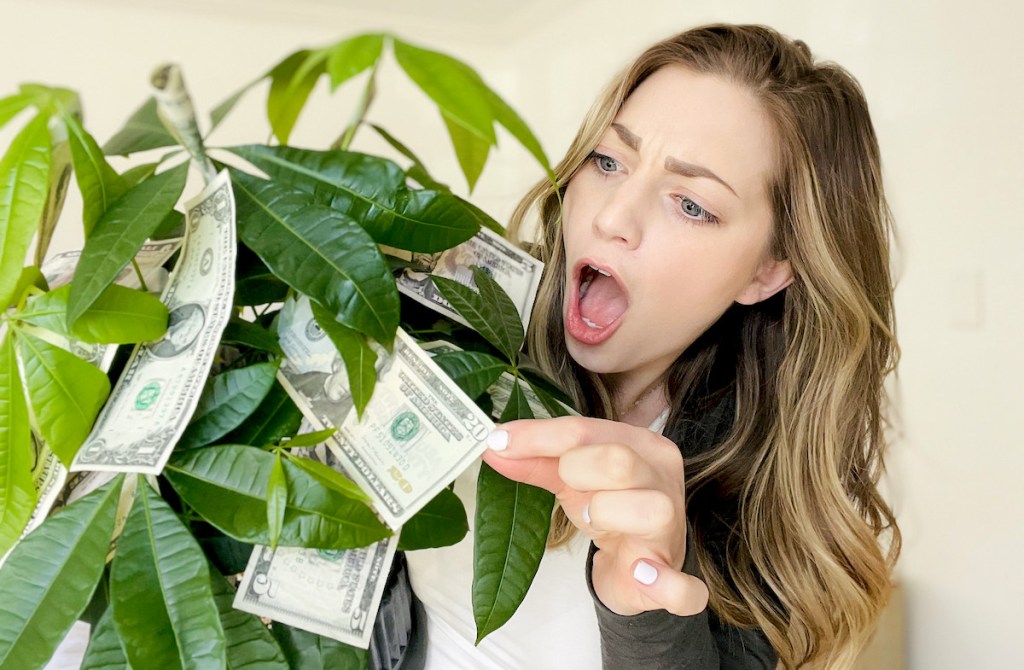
(596, 305)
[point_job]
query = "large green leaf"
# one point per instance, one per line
(351, 56)
(319, 252)
(227, 401)
(24, 178)
(372, 191)
(473, 371)
(50, 576)
(291, 82)
(488, 310)
(452, 85)
(441, 522)
(463, 97)
(120, 233)
(328, 476)
(275, 418)
(355, 351)
(160, 591)
(119, 315)
(104, 651)
(99, 184)
(250, 646)
(511, 529)
(17, 490)
(471, 151)
(309, 651)
(512, 523)
(144, 130)
(227, 486)
(65, 393)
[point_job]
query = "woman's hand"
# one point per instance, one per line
(622, 486)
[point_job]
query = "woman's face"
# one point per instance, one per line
(667, 224)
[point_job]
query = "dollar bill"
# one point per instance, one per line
(153, 400)
(513, 269)
(59, 269)
(418, 432)
(331, 593)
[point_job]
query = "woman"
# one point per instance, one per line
(717, 298)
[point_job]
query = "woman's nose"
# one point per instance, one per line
(619, 217)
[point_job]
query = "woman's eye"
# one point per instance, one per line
(604, 163)
(694, 211)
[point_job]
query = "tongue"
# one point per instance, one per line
(604, 301)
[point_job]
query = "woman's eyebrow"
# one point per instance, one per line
(691, 170)
(633, 141)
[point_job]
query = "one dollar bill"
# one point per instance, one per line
(153, 400)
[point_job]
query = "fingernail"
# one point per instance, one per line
(645, 573)
(497, 440)
(586, 512)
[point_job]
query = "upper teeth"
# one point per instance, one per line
(600, 271)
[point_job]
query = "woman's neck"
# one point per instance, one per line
(639, 402)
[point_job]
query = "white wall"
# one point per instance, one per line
(946, 86)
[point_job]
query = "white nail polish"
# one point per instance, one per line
(586, 512)
(497, 440)
(645, 573)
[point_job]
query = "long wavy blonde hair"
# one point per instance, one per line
(787, 522)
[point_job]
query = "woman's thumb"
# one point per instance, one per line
(677, 592)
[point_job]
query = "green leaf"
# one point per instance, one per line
(277, 501)
(507, 117)
(250, 646)
(227, 487)
(553, 405)
(119, 235)
(249, 334)
(227, 401)
(309, 651)
(512, 523)
(17, 489)
(310, 439)
(65, 393)
(275, 418)
(137, 173)
(320, 253)
(30, 277)
(349, 57)
(99, 184)
(120, 315)
(51, 100)
(372, 191)
(442, 522)
(144, 130)
(329, 477)
(160, 591)
(471, 151)
(24, 180)
(104, 651)
(473, 371)
(355, 351)
(452, 85)
(13, 105)
(291, 82)
(50, 576)
(490, 311)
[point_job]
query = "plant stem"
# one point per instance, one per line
(138, 273)
(344, 141)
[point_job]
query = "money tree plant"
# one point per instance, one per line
(150, 557)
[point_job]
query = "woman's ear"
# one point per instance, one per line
(773, 276)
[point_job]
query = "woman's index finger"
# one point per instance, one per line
(531, 438)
